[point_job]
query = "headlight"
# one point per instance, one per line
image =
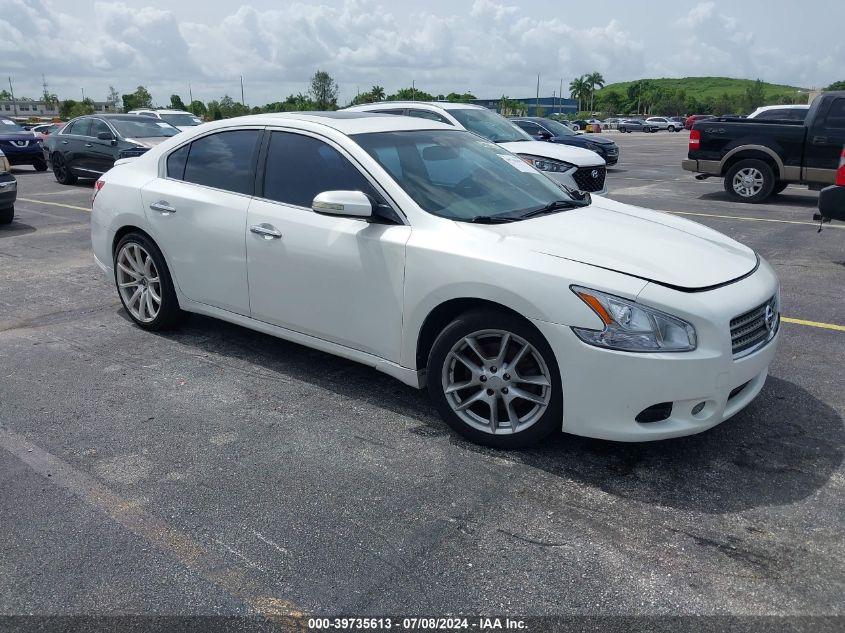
(631, 327)
(546, 164)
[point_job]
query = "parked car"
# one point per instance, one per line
(428, 253)
(781, 112)
(832, 199)
(663, 123)
(574, 167)
(696, 117)
(47, 129)
(635, 125)
(553, 131)
(89, 145)
(579, 124)
(20, 146)
(177, 118)
(611, 123)
(758, 157)
(8, 191)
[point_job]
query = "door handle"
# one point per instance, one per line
(163, 207)
(267, 231)
(64, 142)
(819, 140)
(88, 145)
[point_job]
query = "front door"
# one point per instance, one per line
(197, 215)
(100, 154)
(338, 279)
(825, 140)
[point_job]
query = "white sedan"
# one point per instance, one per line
(449, 263)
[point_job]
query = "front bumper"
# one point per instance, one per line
(568, 178)
(8, 191)
(605, 390)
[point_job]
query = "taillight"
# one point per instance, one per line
(840, 173)
(97, 186)
(694, 140)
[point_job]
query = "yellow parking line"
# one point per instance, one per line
(826, 326)
(739, 217)
(55, 204)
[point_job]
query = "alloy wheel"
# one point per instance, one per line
(138, 282)
(496, 382)
(748, 182)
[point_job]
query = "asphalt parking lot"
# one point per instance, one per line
(218, 471)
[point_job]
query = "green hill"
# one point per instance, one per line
(702, 88)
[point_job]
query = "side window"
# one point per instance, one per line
(836, 114)
(528, 126)
(82, 127)
(299, 167)
(431, 116)
(176, 162)
(98, 126)
(223, 161)
(70, 127)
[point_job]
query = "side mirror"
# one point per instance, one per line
(832, 203)
(350, 204)
(545, 135)
(105, 136)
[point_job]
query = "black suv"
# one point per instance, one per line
(544, 129)
(88, 146)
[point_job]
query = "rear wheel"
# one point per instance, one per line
(6, 215)
(671, 128)
(494, 379)
(61, 171)
(40, 164)
(750, 180)
(144, 283)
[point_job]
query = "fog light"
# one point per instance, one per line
(697, 408)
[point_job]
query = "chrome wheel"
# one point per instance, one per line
(748, 182)
(496, 382)
(138, 282)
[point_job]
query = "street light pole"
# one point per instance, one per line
(14, 101)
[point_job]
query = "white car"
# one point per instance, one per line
(791, 112)
(177, 118)
(443, 260)
(663, 123)
(575, 167)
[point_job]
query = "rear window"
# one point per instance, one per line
(224, 161)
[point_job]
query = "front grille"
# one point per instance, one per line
(589, 178)
(613, 151)
(754, 328)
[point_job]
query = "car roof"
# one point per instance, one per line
(110, 117)
(163, 111)
(344, 121)
(442, 105)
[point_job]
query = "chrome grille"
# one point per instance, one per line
(589, 178)
(754, 328)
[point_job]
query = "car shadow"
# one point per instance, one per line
(15, 228)
(782, 448)
(780, 200)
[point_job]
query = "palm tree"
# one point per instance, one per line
(592, 80)
(578, 89)
(377, 93)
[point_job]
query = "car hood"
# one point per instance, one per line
(646, 244)
(566, 153)
(583, 140)
(17, 136)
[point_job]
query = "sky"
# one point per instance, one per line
(486, 47)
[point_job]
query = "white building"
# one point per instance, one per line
(44, 110)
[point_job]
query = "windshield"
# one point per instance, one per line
(490, 125)
(7, 126)
(456, 175)
(181, 119)
(143, 128)
(557, 128)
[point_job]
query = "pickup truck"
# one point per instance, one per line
(758, 158)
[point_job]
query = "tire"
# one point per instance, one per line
(6, 215)
(750, 180)
(780, 185)
(61, 171)
(576, 128)
(40, 164)
(671, 128)
(136, 275)
(477, 337)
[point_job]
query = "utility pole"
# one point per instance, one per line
(191, 98)
(537, 100)
(83, 93)
(243, 103)
(560, 95)
(413, 90)
(14, 102)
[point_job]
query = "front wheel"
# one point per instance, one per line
(671, 128)
(61, 170)
(144, 284)
(494, 379)
(6, 215)
(750, 180)
(40, 164)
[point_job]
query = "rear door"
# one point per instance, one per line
(825, 139)
(197, 215)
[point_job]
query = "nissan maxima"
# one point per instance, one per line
(442, 259)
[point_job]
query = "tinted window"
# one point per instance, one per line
(490, 125)
(431, 116)
(836, 115)
(98, 126)
(528, 126)
(184, 120)
(299, 167)
(143, 127)
(176, 163)
(223, 160)
(80, 127)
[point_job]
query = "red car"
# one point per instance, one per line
(696, 117)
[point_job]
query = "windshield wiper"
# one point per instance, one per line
(492, 219)
(556, 205)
